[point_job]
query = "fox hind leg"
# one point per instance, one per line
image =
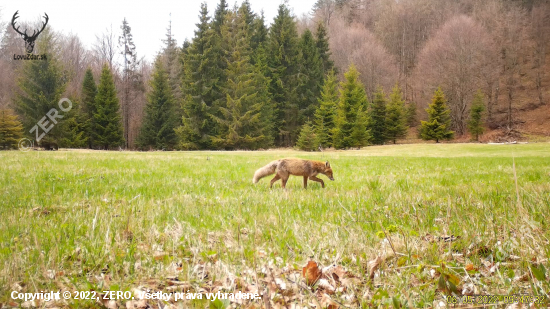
(318, 180)
(277, 177)
(284, 180)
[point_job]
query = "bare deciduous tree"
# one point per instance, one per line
(76, 59)
(457, 58)
(540, 32)
(105, 49)
(355, 44)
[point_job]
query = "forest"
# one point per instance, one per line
(352, 73)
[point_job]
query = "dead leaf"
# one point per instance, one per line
(311, 273)
(373, 265)
(470, 267)
(327, 302)
(325, 285)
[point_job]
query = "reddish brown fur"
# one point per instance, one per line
(298, 167)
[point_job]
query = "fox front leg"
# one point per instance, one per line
(305, 182)
(318, 180)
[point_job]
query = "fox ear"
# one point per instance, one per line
(327, 164)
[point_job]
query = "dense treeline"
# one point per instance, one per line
(315, 82)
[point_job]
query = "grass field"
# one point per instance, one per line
(408, 223)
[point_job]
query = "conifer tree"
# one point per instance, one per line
(325, 114)
(41, 85)
(199, 87)
(396, 118)
(240, 117)
(360, 135)
(259, 34)
(132, 82)
(216, 55)
(157, 130)
(306, 139)
(108, 131)
(220, 15)
(283, 68)
(475, 123)
(89, 92)
(262, 83)
(172, 66)
(75, 126)
(245, 11)
(321, 41)
(439, 122)
(353, 100)
(378, 114)
(310, 78)
(11, 129)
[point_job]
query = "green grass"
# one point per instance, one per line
(82, 220)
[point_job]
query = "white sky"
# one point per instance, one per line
(148, 19)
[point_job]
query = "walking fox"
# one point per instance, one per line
(297, 167)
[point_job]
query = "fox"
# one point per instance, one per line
(283, 168)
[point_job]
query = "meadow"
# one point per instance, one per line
(401, 226)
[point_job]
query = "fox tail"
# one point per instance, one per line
(265, 171)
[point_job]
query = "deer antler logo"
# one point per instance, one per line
(29, 40)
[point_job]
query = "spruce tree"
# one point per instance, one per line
(259, 34)
(199, 87)
(171, 56)
(283, 69)
(107, 120)
(132, 82)
(157, 129)
(262, 83)
(378, 114)
(220, 15)
(89, 92)
(41, 85)
(75, 126)
(324, 120)
(306, 139)
(245, 11)
(11, 129)
(240, 118)
(360, 135)
(216, 55)
(310, 78)
(475, 123)
(439, 122)
(321, 41)
(353, 100)
(396, 117)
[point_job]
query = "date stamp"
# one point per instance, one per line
(496, 299)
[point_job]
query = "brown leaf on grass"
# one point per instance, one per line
(373, 265)
(469, 267)
(311, 273)
(326, 286)
(327, 302)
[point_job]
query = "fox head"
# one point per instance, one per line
(328, 171)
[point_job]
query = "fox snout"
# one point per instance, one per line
(331, 178)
